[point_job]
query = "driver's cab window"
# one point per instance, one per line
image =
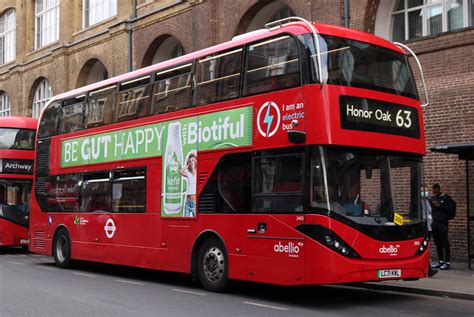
(278, 183)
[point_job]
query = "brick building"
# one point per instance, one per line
(51, 46)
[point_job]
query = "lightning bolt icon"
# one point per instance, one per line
(268, 119)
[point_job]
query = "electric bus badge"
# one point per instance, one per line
(268, 119)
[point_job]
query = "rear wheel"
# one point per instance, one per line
(212, 266)
(62, 249)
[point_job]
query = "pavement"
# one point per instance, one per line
(457, 282)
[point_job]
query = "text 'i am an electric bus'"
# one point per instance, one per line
(290, 155)
(17, 145)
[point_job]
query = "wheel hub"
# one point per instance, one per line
(214, 264)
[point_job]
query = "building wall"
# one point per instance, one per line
(449, 119)
(196, 24)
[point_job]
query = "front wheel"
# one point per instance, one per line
(212, 265)
(62, 249)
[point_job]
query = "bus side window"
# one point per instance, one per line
(49, 123)
(228, 189)
(100, 107)
(278, 184)
(133, 99)
(63, 193)
(272, 65)
(96, 193)
(129, 191)
(218, 77)
(172, 89)
(71, 118)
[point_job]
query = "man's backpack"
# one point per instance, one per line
(452, 209)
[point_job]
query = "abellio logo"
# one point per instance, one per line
(391, 249)
(290, 248)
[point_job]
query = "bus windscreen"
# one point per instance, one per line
(17, 139)
(351, 63)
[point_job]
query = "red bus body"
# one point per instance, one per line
(276, 253)
(17, 166)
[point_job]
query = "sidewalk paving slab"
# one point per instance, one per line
(458, 282)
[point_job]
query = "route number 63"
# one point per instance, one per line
(403, 118)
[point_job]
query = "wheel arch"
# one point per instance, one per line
(58, 228)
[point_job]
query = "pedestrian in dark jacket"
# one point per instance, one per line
(441, 205)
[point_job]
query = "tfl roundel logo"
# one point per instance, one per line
(268, 119)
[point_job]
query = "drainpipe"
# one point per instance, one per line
(130, 31)
(347, 17)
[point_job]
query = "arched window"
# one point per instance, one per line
(43, 93)
(47, 22)
(416, 18)
(93, 71)
(7, 37)
(170, 48)
(95, 11)
(5, 107)
(163, 48)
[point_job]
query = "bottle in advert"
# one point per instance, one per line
(173, 161)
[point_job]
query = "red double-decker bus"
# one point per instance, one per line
(290, 155)
(17, 145)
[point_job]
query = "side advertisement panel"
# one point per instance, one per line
(178, 141)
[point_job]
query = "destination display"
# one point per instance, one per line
(371, 115)
(13, 166)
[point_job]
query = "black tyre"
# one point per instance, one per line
(212, 265)
(62, 249)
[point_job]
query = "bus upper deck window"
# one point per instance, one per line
(218, 77)
(100, 107)
(272, 65)
(172, 89)
(48, 125)
(133, 99)
(71, 118)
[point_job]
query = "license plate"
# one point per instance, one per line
(389, 273)
(24, 241)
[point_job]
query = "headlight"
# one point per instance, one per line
(329, 239)
(423, 246)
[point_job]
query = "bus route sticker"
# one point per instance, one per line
(398, 219)
(110, 228)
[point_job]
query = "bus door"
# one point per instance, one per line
(275, 250)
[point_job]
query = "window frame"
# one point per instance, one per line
(110, 5)
(145, 81)
(5, 105)
(114, 179)
(111, 92)
(43, 93)
(159, 76)
(301, 63)
(67, 104)
(41, 22)
(467, 6)
(8, 37)
(303, 193)
(218, 54)
(46, 205)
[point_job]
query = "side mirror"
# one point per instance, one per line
(295, 136)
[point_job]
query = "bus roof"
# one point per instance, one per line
(18, 122)
(294, 28)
